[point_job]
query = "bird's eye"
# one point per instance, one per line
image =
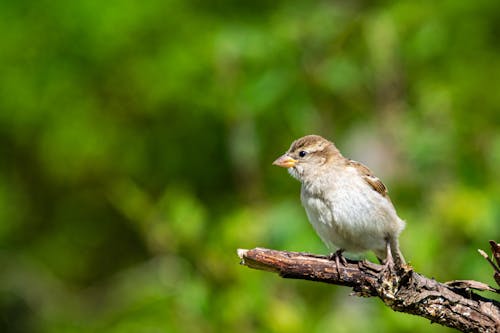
(302, 153)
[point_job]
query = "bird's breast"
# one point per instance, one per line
(318, 210)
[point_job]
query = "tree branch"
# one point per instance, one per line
(450, 304)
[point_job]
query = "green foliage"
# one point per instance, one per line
(137, 139)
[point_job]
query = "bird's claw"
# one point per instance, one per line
(389, 266)
(338, 257)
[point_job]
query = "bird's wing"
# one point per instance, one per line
(369, 178)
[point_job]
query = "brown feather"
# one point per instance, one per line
(369, 178)
(308, 141)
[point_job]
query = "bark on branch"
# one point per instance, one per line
(450, 304)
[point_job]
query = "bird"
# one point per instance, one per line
(348, 207)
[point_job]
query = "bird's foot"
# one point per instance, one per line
(390, 277)
(388, 266)
(338, 257)
(392, 271)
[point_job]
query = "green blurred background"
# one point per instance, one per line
(137, 141)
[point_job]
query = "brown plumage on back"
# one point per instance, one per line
(368, 177)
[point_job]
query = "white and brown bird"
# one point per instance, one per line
(346, 204)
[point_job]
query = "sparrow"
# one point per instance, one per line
(348, 206)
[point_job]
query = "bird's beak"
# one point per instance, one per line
(285, 161)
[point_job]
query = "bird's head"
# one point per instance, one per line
(307, 156)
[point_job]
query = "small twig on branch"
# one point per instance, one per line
(453, 304)
(495, 249)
